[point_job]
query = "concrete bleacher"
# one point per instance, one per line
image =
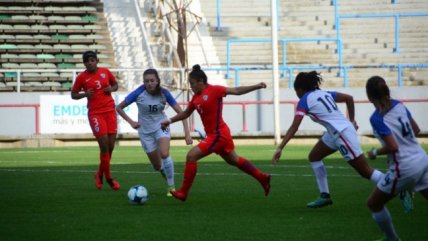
(365, 41)
(50, 35)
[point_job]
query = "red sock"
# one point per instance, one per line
(105, 164)
(248, 168)
(189, 175)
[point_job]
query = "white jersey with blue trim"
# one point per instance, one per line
(321, 107)
(396, 122)
(150, 107)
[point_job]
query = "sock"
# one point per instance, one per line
(168, 168)
(384, 221)
(189, 175)
(248, 168)
(376, 176)
(105, 163)
(321, 176)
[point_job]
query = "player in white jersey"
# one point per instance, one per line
(341, 133)
(151, 100)
(395, 128)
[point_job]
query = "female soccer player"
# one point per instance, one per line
(208, 102)
(96, 84)
(341, 133)
(396, 130)
(151, 100)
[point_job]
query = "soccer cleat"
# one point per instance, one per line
(406, 201)
(266, 183)
(170, 188)
(322, 201)
(98, 181)
(180, 195)
(113, 184)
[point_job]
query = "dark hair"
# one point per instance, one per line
(378, 91)
(308, 81)
(198, 74)
(155, 72)
(88, 54)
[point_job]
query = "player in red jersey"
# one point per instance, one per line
(96, 84)
(208, 102)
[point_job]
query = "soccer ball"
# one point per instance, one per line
(138, 194)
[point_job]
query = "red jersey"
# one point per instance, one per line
(209, 104)
(100, 102)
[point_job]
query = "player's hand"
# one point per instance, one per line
(262, 85)
(354, 123)
(135, 124)
(165, 123)
(107, 89)
(372, 154)
(89, 93)
(189, 140)
(276, 156)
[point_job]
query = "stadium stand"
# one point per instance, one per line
(50, 35)
(366, 41)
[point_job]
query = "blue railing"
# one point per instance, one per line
(341, 67)
(344, 69)
(396, 16)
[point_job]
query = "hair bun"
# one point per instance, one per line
(196, 67)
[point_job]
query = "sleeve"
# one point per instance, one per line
(333, 94)
(134, 94)
(376, 120)
(77, 86)
(111, 77)
(302, 106)
(220, 90)
(169, 98)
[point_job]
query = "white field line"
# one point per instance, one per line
(200, 173)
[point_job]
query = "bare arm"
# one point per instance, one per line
(245, 89)
(187, 135)
(122, 113)
(290, 133)
(390, 146)
(415, 127)
(179, 116)
(80, 95)
(349, 101)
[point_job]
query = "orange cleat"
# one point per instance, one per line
(98, 181)
(266, 183)
(180, 195)
(113, 184)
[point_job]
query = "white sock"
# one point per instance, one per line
(321, 176)
(376, 176)
(168, 166)
(384, 221)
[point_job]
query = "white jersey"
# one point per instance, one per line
(396, 122)
(150, 108)
(321, 107)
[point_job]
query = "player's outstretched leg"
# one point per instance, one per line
(247, 167)
(189, 175)
(98, 180)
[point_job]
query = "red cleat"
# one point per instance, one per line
(266, 183)
(98, 181)
(180, 195)
(113, 184)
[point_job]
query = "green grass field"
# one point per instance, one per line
(49, 194)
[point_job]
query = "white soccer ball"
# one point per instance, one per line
(138, 194)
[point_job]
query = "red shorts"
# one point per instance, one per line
(103, 123)
(219, 144)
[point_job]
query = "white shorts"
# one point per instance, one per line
(150, 141)
(409, 175)
(346, 142)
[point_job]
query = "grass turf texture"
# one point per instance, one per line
(49, 194)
